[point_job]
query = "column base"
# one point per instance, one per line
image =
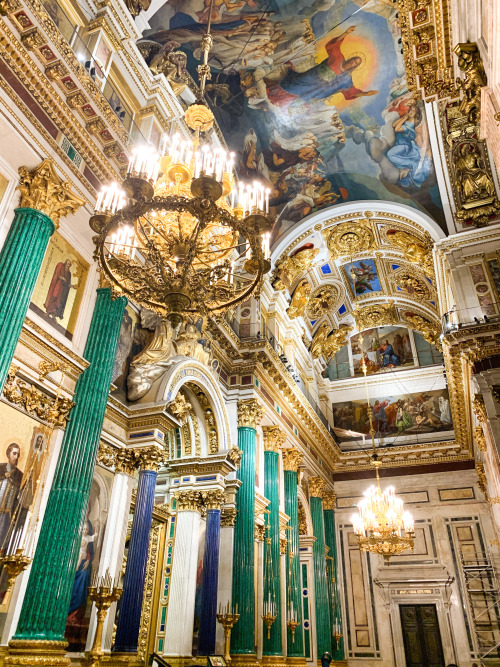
(296, 660)
(119, 659)
(37, 652)
(244, 660)
(274, 660)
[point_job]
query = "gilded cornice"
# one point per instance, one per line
(218, 465)
(250, 412)
(317, 487)
(274, 438)
(51, 350)
(292, 458)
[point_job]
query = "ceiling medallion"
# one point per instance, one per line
(348, 238)
(325, 299)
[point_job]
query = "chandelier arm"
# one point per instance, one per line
(241, 297)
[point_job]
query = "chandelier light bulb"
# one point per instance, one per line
(110, 199)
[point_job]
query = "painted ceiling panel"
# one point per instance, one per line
(317, 103)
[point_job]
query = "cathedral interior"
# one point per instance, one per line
(250, 333)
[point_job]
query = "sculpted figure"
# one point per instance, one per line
(299, 300)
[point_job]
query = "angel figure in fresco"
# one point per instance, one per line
(411, 152)
(332, 75)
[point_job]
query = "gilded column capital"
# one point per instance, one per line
(329, 500)
(213, 499)
(283, 546)
(228, 516)
(259, 532)
(317, 486)
(250, 413)
(150, 458)
(292, 458)
(126, 461)
(188, 501)
(43, 190)
(106, 455)
(274, 438)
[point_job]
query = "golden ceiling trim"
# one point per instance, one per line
(427, 47)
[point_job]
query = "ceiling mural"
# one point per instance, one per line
(316, 102)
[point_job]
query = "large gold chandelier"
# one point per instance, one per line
(381, 525)
(180, 236)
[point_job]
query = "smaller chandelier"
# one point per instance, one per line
(381, 525)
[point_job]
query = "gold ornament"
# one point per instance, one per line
(326, 344)
(199, 117)
(180, 408)
(150, 458)
(188, 501)
(470, 63)
(274, 438)
(228, 516)
(317, 486)
(288, 269)
(377, 315)
(300, 296)
(292, 458)
(482, 482)
(213, 499)
(479, 409)
(414, 286)
(234, 455)
(349, 238)
(106, 455)
(431, 331)
(323, 300)
(250, 413)
(480, 438)
(414, 250)
(43, 190)
(329, 500)
(126, 461)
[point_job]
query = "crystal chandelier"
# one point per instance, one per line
(180, 236)
(381, 525)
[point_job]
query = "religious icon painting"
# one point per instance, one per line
(23, 452)
(385, 349)
(363, 277)
(60, 286)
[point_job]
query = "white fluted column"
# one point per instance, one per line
(113, 546)
(224, 586)
(181, 599)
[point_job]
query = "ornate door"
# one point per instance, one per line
(421, 636)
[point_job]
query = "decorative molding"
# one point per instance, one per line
(479, 438)
(479, 409)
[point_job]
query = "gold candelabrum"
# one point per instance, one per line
(14, 564)
(103, 592)
(227, 617)
(337, 636)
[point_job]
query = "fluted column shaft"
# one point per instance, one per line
(335, 606)
(243, 633)
(208, 614)
(291, 460)
(273, 438)
(129, 618)
(323, 637)
(20, 261)
(46, 602)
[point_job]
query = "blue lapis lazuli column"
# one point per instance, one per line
(208, 619)
(129, 619)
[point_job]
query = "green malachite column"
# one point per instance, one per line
(46, 601)
(273, 439)
(329, 500)
(243, 633)
(323, 637)
(291, 461)
(44, 198)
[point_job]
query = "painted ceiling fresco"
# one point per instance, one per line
(317, 103)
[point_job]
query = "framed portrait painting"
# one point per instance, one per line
(60, 286)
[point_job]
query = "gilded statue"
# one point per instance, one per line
(327, 344)
(472, 180)
(429, 330)
(323, 301)
(470, 63)
(414, 250)
(150, 364)
(288, 269)
(299, 301)
(167, 60)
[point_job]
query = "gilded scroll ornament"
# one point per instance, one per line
(479, 438)
(274, 438)
(288, 269)
(43, 190)
(292, 458)
(54, 411)
(326, 343)
(299, 300)
(479, 409)
(431, 331)
(376, 315)
(329, 500)
(181, 408)
(325, 299)
(259, 532)
(349, 238)
(210, 421)
(317, 486)
(234, 455)
(414, 250)
(250, 413)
